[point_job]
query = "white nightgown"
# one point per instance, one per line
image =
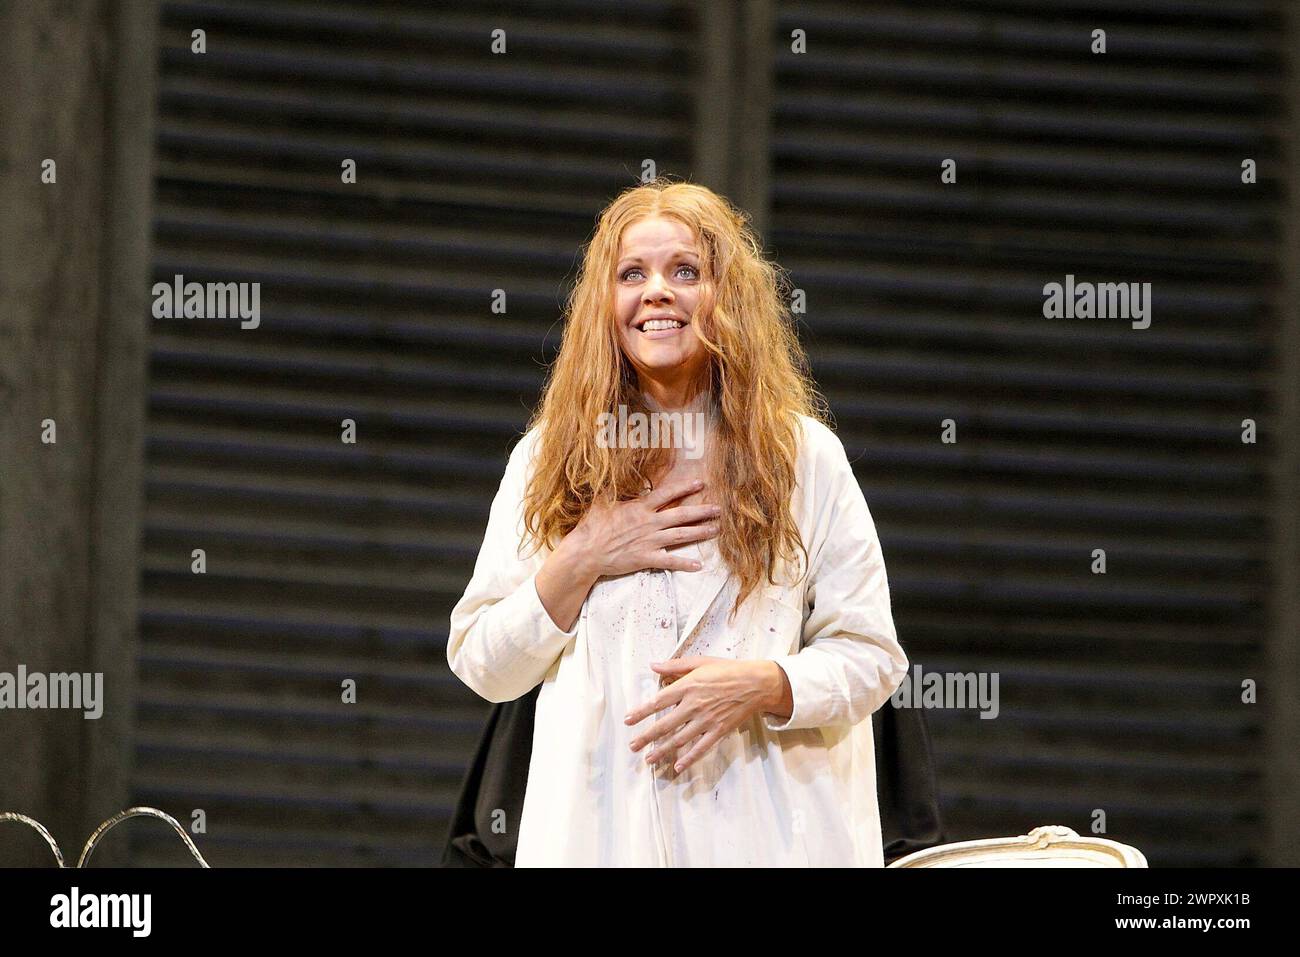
(798, 791)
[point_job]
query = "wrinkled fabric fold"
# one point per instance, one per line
(910, 818)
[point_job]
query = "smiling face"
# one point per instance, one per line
(656, 289)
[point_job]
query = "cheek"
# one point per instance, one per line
(693, 342)
(626, 343)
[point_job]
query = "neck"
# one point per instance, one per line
(663, 398)
(692, 432)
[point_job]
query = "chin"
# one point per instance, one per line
(662, 363)
(659, 355)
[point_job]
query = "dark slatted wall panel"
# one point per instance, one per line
(1118, 692)
(328, 561)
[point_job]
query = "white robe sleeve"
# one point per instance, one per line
(850, 660)
(502, 641)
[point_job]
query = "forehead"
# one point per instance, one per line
(656, 235)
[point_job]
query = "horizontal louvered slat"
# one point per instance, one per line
(327, 560)
(1122, 691)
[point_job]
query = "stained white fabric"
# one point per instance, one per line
(799, 791)
(689, 588)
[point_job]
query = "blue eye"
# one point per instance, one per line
(695, 273)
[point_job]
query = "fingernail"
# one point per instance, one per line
(698, 483)
(695, 564)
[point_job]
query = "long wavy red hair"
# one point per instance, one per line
(758, 380)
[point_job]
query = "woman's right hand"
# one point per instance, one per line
(615, 538)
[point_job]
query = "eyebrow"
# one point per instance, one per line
(676, 253)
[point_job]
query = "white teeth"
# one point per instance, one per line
(655, 325)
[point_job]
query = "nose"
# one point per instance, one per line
(656, 289)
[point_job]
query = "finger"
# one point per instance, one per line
(667, 759)
(687, 515)
(677, 666)
(672, 491)
(672, 740)
(667, 697)
(698, 750)
(686, 735)
(674, 563)
(662, 752)
(683, 534)
(663, 740)
(644, 710)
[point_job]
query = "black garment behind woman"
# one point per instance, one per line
(909, 806)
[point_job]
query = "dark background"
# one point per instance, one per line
(477, 172)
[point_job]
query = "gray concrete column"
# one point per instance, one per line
(733, 116)
(74, 269)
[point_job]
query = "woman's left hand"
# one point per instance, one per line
(713, 697)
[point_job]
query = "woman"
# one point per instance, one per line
(709, 619)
